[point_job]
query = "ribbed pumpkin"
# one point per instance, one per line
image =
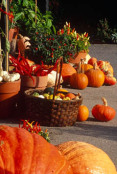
(103, 112)
(95, 77)
(86, 67)
(24, 153)
(78, 80)
(67, 71)
(86, 158)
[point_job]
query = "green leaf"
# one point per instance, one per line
(19, 16)
(49, 23)
(25, 3)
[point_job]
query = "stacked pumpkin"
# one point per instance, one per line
(94, 74)
(22, 152)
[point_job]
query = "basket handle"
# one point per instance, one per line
(57, 81)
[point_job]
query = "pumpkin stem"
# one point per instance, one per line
(95, 65)
(79, 68)
(104, 101)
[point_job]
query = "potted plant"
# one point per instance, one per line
(49, 47)
(80, 41)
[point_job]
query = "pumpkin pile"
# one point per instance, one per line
(94, 73)
(22, 152)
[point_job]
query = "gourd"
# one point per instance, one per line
(49, 90)
(52, 78)
(86, 158)
(79, 80)
(103, 112)
(24, 153)
(67, 71)
(83, 113)
(95, 77)
(105, 66)
(70, 95)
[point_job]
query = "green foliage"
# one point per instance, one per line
(104, 32)
(26, 19)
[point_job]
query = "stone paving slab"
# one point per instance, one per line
(100, 134)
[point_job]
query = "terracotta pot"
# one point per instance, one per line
(9, 97)
(78, 57)
(39, 81)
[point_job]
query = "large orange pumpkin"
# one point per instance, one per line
(24, 153)
(86, 158)
(67, 71)
(95, 77)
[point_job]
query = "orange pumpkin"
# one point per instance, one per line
(103, 112)
(92, 60)
(86, 67)
(83, 113)
(67, 71)
(95, 77)
(24, 153)
(86, 158)
(79, 80)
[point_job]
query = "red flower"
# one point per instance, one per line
(36, 48)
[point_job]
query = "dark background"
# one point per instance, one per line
(82, 16)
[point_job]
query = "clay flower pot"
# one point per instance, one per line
(9, 97)
(39, 82)
(78, 57)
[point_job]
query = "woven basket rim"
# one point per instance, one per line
(49, 100)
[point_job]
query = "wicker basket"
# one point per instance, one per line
(51, 112)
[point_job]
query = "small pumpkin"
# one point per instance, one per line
(92, 61)
(79, 80)
(95, 77)
(83, 113)
(67, 71)
(103, 112)
(85, 158)
(22, 152)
